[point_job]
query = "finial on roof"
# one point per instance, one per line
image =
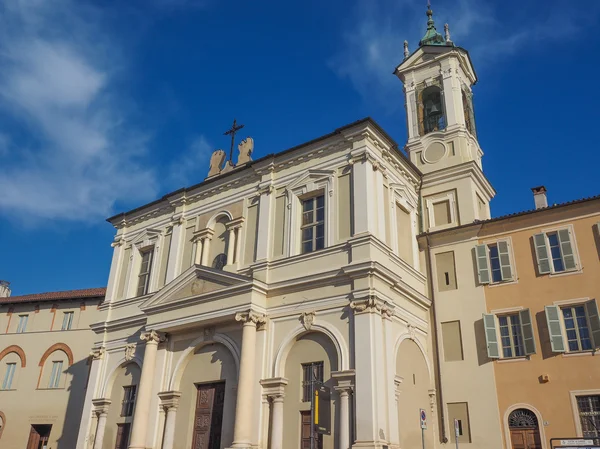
(406, 49)
(432, 37)
(447, 33)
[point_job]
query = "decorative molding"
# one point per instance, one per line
(101, 405)
(307, 319)
(274, 388)
(153, 337)
(258, 319)
(209, 333)
(372, 305)
(432, 395)
(130, 351)
(17, 350)
(58, 347)
(169, 399)
(98, 353)
(412, 332)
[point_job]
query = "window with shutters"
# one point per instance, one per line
(588, 408)
(509, 335)
(555, 251)
(574, 327)
(494, 262)
(313, 224)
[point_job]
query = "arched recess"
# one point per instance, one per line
(217, 216)
(2, 423)
(110, 378)
(17, 350)
(413, 389)
(197, 344)
(537, 414)
(57, 347)
(334, 335)
(407, 336)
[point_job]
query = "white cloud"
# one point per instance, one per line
(374, 36)
(191, 167)
(57, 81)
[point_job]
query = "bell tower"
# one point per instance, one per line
(442, 139)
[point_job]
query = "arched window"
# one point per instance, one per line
(433, 110)
(220, 261)
(522, 418)
(467, 101)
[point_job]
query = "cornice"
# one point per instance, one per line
(121, 323)
(465, 170)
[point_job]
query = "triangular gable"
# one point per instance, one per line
(195, 281)
(309, 178)
(146, 238)
(426, 53)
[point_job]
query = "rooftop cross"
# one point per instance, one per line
(234, 129)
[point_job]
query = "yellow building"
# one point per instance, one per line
(536, 275)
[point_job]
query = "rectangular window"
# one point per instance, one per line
(67, 321)
(494, 262)
(441, 213)
(452, 341)
(511, 336)
(554, 251)
(144, 277)
(313, 224)
(576, 328)
(55, 375)
(311, 374)
(589, 414)
(460, 412)
(22, 326)
(128, 400)
(9, 375)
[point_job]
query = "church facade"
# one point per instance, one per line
(339, 262)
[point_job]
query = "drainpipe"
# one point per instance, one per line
(438, 374)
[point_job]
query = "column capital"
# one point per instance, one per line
(274, 388)
(251, 318)
(206, 233)
(372, 304)
(153, 337)
(101, 405)
(345, 380)
(98, 353)
(235, 223)
(169, 399)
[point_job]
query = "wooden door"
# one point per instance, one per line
(38, 436)
(34, 439)
(122, 435)
(305, 432)
(525, 439)
(208, 418)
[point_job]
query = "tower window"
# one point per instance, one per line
(433, 118)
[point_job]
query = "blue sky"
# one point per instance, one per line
(107, 105)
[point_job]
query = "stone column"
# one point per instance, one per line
(274, 389)
(397, 390)
(169, 402)
(242, 430)
(345, 384)
(101, 409)
(230, 246)
(144, 394)
(198, 255)
(205, 250)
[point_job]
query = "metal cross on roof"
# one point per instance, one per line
(234, 129)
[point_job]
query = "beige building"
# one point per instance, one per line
(535, 275)
(45, 341)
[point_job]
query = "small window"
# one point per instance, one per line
(441, 213)
(22, 326)
(589, 414)
(55, 375)
(9, 375)
(576, 328)
(144, 277)
(511, 336)
(311, 373)
(313, 224)
(128, 400)
(67, 321)
(554, 252)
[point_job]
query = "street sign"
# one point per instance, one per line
(423, 418)
(575, 443)
(322, 409)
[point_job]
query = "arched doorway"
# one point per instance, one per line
(524, 429)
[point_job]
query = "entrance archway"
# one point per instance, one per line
(524, 429)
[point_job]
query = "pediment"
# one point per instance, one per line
(310, 178)
(195, 281)
(146, 238)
